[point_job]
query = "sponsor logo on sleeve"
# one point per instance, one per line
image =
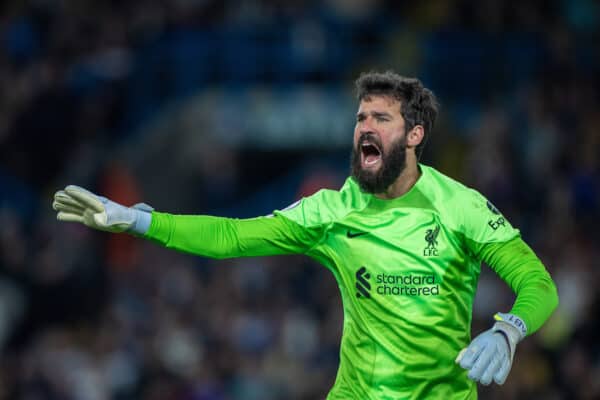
(498, 222)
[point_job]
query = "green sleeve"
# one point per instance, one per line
(492, 239)
(521, 269)
(218, 237)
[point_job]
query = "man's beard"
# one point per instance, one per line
(393, 163)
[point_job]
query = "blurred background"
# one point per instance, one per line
(236, 109)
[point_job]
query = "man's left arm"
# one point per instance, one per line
(490, 355)
(522, 270)
(490, 238)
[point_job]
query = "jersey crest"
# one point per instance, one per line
(431, 239)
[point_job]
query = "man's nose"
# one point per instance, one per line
(366, 126)
(366, 134)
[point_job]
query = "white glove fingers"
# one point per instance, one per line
(502, 374)
(69, 217)
(85, 197)
(469, 355)
(482, 363)
(68, 208)
(59, 205)
(61, 195)
(490, 371)
(460, 355)
(489, 356)
(63, 199)
(80, 189)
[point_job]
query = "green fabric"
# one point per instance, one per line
(521, 269)
(218, 237)
(407, 270)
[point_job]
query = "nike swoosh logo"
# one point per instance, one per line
(351, 234)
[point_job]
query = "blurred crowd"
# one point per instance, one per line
(87, 93)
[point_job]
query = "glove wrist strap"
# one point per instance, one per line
(143, 219)
(512, 328)
(514, 322)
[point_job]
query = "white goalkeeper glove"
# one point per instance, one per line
(490, 354)
(76, 204)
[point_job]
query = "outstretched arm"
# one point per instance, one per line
(219, 237)
(208, 236)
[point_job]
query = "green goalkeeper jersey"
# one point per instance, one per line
(407, 271)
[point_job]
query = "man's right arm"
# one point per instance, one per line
(207, 236)
(219, 237)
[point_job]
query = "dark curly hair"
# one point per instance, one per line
(418, 105)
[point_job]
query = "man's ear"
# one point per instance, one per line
(415, 136)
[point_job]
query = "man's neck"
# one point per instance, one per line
(403, 183)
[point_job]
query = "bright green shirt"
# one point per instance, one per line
(407, 271)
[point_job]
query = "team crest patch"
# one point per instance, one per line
(431, 240)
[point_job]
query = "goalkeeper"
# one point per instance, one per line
(404, 242)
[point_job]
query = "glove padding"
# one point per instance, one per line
(76, 204)
(490, 355)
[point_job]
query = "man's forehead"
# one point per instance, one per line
(379, 102)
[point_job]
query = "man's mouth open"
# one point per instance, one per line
(370, 155)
